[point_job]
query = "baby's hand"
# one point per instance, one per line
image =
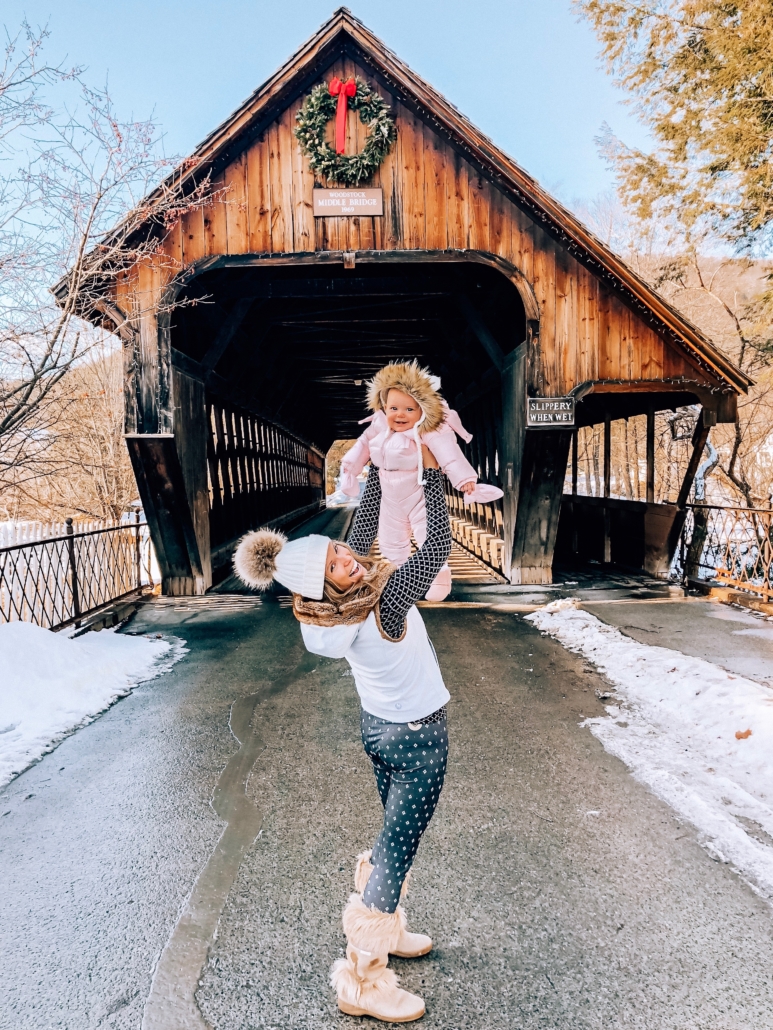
(467, 488)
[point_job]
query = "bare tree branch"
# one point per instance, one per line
(71, 213)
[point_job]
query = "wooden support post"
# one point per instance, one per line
(164, 498)
(607, 487)
(191, 431)
(543, 471)
(651, 456)
(511, 449)
(699, 439)
(667, 520)
(575, 446)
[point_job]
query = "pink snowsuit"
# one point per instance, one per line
(402, 511)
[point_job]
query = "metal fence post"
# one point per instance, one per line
(76, 602)
(683, 552)
(137, 548)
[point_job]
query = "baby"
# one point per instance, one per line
(408, 411)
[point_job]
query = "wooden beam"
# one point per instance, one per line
(699, 439)
(190, 432)
(575, 461)
(487, 382)
(607, 487)
(398, 286)
(659, 558)
(634, 396)
(164, 497)
(230, 391)
(482, 331)
(228, 329)
(511, 445)
(651, 456)
(540, 495)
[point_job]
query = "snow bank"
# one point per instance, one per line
(51, 684)
(675, 721)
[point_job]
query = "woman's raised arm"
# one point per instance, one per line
(411, 581)
(365, 525)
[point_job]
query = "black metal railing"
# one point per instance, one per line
(59, 580)
(731, 546)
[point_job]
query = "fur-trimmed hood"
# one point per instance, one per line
(414, 380)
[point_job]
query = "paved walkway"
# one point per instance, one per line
(737, 640)
(560, 892)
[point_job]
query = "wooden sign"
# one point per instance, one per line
(546, 412)
(334, 203)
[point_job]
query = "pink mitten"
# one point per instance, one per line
(349, 483)
(483, 493)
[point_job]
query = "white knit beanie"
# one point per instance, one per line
(299, 565)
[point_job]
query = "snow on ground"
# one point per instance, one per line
(680, 724)
(52, 684)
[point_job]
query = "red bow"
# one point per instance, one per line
(342, 90)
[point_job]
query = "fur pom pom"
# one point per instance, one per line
(255, 557)
(408, 377)
(343, 979)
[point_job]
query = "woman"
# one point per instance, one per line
(355, 608)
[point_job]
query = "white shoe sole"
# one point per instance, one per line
(355, 1010)
(412, 954)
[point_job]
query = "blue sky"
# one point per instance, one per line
(525, 71)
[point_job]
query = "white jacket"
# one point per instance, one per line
(399, 681)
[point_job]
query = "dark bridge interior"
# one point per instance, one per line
(295, 344)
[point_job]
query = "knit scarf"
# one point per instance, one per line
(350, 610)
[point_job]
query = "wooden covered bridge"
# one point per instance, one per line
(248, 337)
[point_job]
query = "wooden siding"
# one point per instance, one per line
(433, 200)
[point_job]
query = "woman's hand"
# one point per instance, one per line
(428, 459)
(467, 488)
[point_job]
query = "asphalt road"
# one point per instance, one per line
(560, 892)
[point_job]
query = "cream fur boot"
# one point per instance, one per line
(362, 981)
(409, 945)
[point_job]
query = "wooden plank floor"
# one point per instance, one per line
(465, 567)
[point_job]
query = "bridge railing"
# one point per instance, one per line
(58, 580)
(478, 528)
(732, 546)
(257, 473)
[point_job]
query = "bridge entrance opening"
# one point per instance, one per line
(286, 349)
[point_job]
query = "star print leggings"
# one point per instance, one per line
(409, 760)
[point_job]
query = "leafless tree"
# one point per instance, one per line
(726, 297)
(71, 212)
(86, 472)
(729, 298)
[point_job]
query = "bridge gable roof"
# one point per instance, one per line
(344, 36)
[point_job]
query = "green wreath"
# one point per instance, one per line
(318, 109)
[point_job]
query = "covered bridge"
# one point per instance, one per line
(248, 335)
